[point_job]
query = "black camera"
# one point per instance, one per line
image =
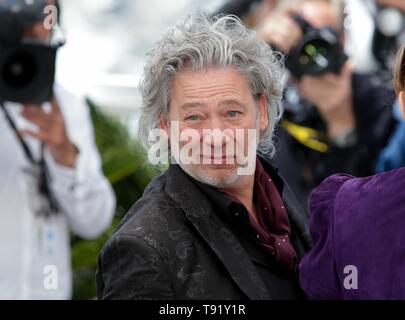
(318, 52)
(27, 66)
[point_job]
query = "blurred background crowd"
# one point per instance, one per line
(340, 109)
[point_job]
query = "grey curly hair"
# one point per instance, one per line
(200, 42)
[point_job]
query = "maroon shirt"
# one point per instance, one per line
(272, 226)
(275, 267)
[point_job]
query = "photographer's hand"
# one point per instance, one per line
(280, 30)
(51, 131)
(332, 95)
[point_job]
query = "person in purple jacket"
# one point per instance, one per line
(358, 229)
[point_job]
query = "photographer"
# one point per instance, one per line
(335, 120)
(389, 31)
(388, 36)
(50, 170)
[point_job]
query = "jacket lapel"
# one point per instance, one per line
(222, 241)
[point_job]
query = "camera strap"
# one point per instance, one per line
(44, 176)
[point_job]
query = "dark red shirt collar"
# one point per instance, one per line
(272, 229)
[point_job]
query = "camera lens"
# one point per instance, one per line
(314, 56)
(19, 69)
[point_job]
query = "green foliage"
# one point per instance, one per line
(125, 166)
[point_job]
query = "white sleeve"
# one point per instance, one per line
(83, 193)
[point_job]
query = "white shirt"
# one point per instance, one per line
(35, 251)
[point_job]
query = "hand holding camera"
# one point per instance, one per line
(281, 31)
(27, 70)
(309, 50)
(51, 131)
(309, 37)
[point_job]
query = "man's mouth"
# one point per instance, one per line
(218, 159)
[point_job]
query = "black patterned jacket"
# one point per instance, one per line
(172, 245)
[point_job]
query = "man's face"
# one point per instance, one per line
(218, 99)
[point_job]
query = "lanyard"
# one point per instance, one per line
(44, 177)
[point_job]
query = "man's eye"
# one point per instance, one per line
(233, 114)
(193, 117)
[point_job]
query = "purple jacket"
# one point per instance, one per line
(358, 228)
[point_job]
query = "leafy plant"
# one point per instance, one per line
(125, 165)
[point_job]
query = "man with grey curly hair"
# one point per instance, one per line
(220, 223)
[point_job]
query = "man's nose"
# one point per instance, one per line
(216, 123)
(216, 133)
